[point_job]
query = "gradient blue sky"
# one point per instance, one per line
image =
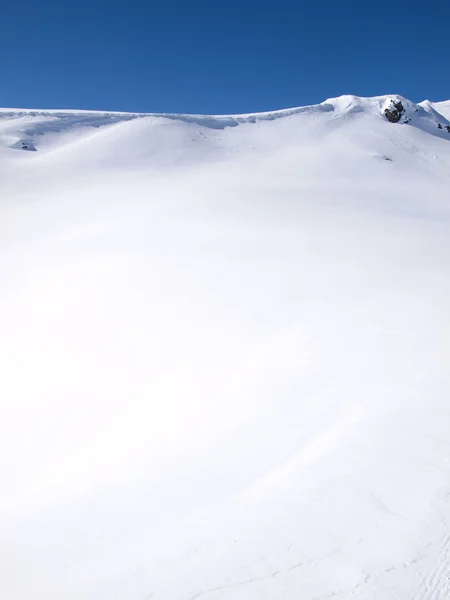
(220, 57)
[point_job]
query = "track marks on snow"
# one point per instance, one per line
(436, 585)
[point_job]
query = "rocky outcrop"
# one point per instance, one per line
(394, 112)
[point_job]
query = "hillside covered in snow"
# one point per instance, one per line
(224, 350)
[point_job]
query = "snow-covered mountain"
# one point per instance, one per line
(224, 350)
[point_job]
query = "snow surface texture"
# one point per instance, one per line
(224, 354)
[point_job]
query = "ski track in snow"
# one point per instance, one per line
(227, 586)
(436, 585)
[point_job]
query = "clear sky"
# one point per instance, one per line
(219, 57)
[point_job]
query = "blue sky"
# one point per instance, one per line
(220, 57)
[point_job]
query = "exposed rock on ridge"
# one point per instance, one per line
(394, 111)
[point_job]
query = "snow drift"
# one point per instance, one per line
(224, 354)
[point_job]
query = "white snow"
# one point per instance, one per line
(442, 107)
(224, 354)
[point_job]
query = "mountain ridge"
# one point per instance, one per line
(332, 100)
(141, 133)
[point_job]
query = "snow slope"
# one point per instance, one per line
(443, 108)
(224, 354)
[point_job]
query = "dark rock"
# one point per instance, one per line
(448, 128)
(394, 114)
(439, 126)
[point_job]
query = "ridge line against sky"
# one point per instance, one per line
(289, 110)
(222, 58)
